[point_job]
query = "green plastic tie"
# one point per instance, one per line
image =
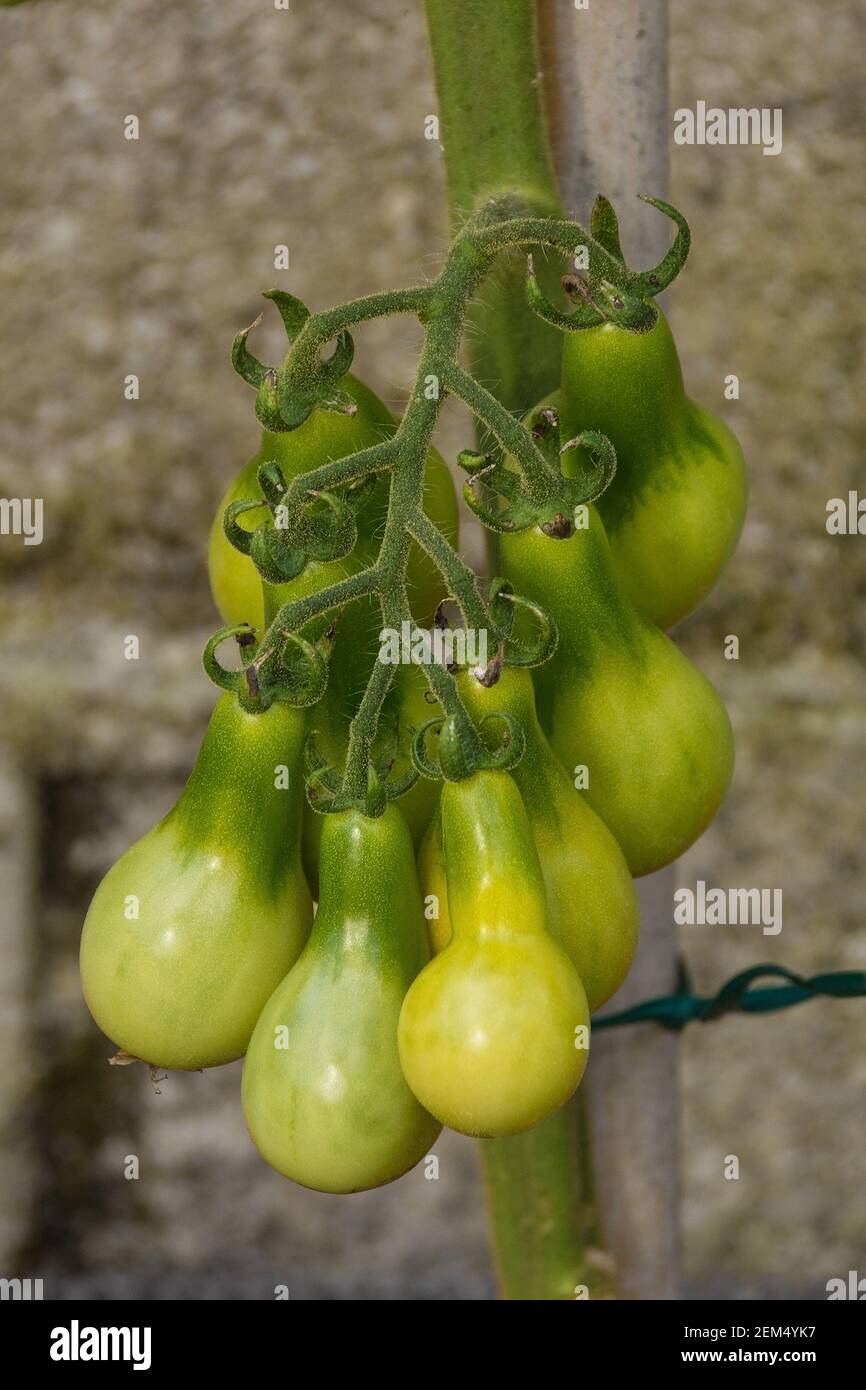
(737, 996)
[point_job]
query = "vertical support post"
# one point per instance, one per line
(607, 93)
(606, 83)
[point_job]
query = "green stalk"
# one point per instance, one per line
(493, 128)
(534, 1206)
(494, 131)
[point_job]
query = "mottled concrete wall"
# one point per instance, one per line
(145, 257)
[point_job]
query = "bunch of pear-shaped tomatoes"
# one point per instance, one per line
(467, 928)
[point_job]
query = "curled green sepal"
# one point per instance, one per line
(494, 492)
(238, 537)
(285, 399)
(295, 672)
(275, 558)
(652, 282)
(234, 681)
(272, 482)
(304, 386)
(631, 309)
(317, 768)
(421, 761)
(510, 747)
(293, 311)
(387, 748)
(589, 486)
(335, 367)
(584, 316)
(490, 482)
(604, 226)
(605, 295)
(503, 602)
(398, 786)
(601, 300)
(249, 367)
(267, 405)
(324, 528)
(264, 379)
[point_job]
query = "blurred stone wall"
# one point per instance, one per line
(260, 128)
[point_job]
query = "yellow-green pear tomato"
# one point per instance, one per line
(592, 903)
(494, 1033)
(324, 1096)
(675, 509)
(191, 930)
(621, 705)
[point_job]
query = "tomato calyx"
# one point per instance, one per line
(323, 527)
(294, 672)
(495, 493)
(462, 749)
(606, 290)
(329, 792)
(287, 395)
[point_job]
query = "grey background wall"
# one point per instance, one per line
(145, 257)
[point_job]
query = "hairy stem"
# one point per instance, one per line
(494, 132)
(461, 579)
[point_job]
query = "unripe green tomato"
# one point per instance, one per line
(194, 926)
(591, 899)
(675, 509)
(494, 1032)
(324, 1096)
(619, 699)
(488, 1034)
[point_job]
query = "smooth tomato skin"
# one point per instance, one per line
(619, 698)
(326, 435)
(676, 506)
(592, 903)
(223, 907)
(492, 1032)
(331, 1110)
(487, 1034)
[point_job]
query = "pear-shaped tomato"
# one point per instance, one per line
(620, 700)
(494, 1032)
(675, 508)
(324, 1096)
(193, 927)
(592, 904)
(325, 436)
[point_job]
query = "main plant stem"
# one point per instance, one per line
(494, 132)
